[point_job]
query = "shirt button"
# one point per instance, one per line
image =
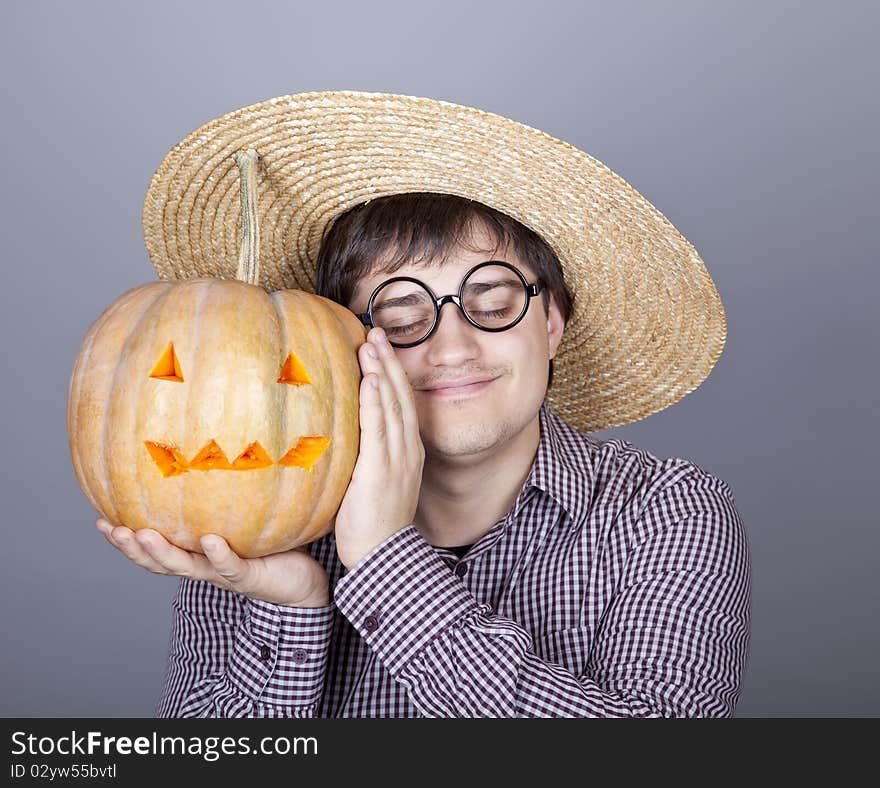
(299, 655)
(371, 623)
(461, 570)
(265, 653)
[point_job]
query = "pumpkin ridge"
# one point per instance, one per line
(337, 311)
(160, 298)
(205, 291)
(329, 452)
(74, 395)
(282, 398)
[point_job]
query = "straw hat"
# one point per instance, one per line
(648, 324)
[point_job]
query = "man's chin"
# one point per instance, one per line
(471, 440)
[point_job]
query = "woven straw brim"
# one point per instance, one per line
(648, 324)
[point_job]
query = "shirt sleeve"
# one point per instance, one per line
(672, 642)
(231, 656)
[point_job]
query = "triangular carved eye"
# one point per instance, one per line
(294, 372)
(168, 367)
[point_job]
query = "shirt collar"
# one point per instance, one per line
(563, 466)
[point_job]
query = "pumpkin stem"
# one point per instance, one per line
(249, 251)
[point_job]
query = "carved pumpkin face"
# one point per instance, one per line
(211, 406)
(211, 456)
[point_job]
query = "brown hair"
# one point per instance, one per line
(423, 227)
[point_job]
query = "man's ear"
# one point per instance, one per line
(555, 326)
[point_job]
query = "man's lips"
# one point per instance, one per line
(460, 386)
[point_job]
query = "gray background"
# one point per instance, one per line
(752, 125)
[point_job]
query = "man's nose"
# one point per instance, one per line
(454, 340)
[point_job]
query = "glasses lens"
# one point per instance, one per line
(494, 296)
(405, 310)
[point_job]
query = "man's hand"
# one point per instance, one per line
(383, 494)
(292, 578)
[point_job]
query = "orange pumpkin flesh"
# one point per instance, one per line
(254, 456)
(211, 406)
(168, 459)
(293, 372)
(306, 453)
(168, 367)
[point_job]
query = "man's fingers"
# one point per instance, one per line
(123, 539)
(234, 570)
(372, 414)
(372, 417)
(403, 393)
(377, 356)
(173, 559)
(151, 551)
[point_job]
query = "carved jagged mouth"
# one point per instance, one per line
(212, 458)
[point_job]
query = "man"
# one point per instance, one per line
(487, 559)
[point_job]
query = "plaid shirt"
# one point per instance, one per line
(617, 586)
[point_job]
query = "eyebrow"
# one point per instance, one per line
(489, 285)
(411, 299)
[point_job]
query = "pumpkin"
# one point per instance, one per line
(209, 406)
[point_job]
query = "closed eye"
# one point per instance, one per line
(491, 313)
(406, 328)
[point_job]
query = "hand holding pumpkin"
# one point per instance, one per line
(381, 499)
(210, 406)
(383, 494)
(290, 578)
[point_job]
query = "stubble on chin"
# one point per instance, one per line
(466, 440)
(465, 427)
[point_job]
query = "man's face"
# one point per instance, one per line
(474, 390)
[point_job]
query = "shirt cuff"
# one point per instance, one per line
(280, 653)
(401, 596)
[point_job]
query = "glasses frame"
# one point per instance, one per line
(531, 291)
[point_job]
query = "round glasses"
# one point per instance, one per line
(493, 296)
